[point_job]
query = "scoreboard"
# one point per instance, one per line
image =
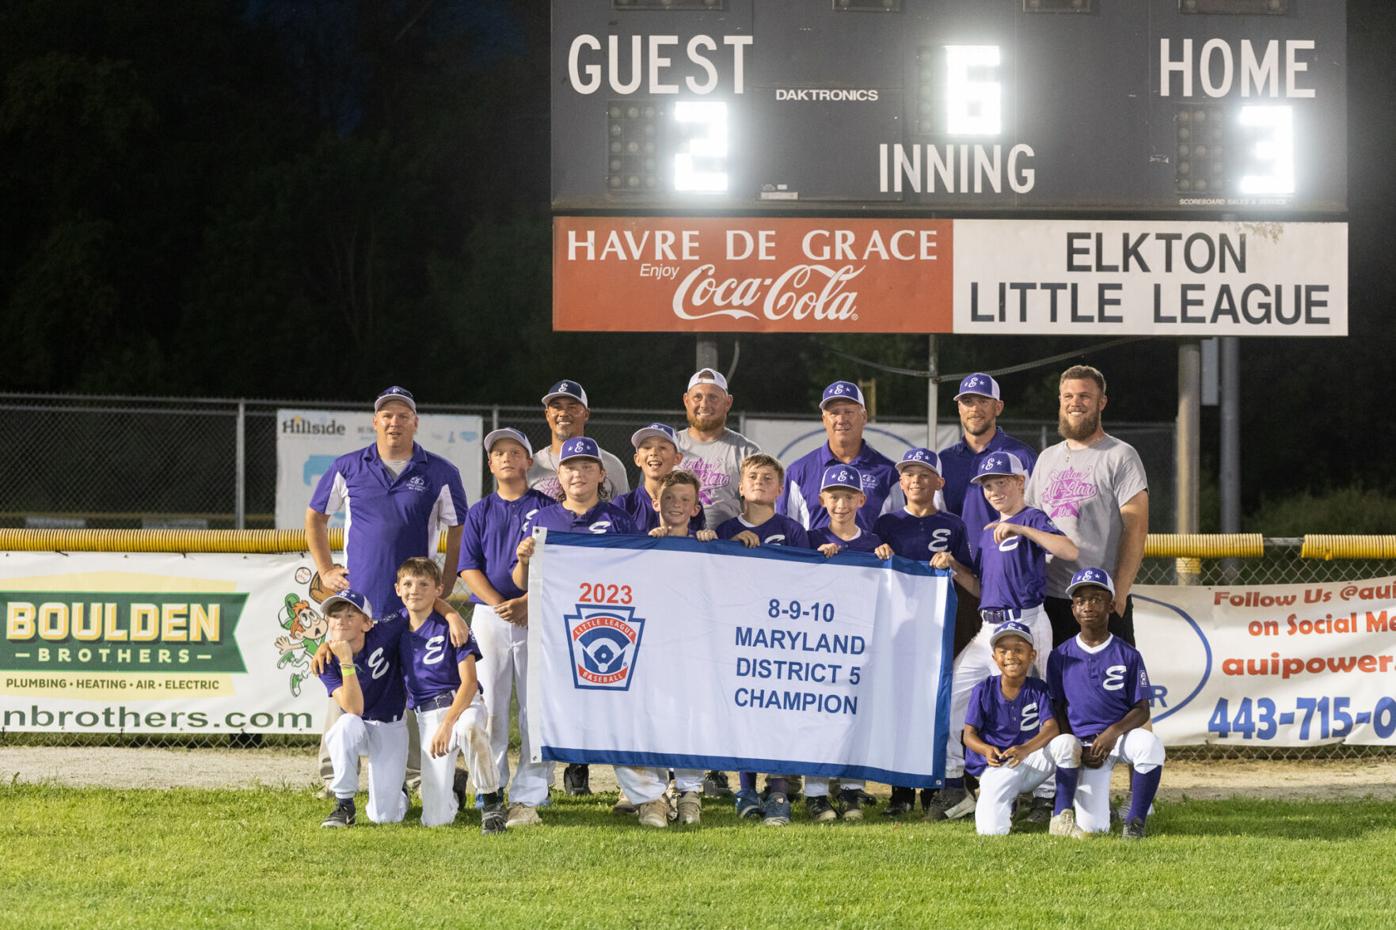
(963, 107)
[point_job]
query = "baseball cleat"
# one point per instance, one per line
(748, 805)
(819, 809)
(1064, 824)
(716, 785)
(777, 811)
(851, 800)
(522, 815)
(624, 805)
(690, 807)
(655, 813)
(576, 780)
(1040, 811)
(1133, 829)
(341, 816)
(903, 802)
(950, 804)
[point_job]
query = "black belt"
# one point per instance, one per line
(444, 699)
(1000, 615)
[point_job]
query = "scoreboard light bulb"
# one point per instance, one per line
(1275, 149)
(704, 148)
(974, 105)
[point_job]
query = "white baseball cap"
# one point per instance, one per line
(707, 376)
(507, 432)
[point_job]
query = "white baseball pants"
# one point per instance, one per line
(471, 735)
(385, 744)
(642, 785)
(1000, 785)
(817, 786)
(503, 670)
(1141, 750)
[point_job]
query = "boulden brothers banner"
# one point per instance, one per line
(671, 652)
(1096, 277)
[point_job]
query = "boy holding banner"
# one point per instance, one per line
(580, 473)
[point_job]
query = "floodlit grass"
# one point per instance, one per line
(94, 858)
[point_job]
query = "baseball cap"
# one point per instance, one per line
(999, 463)
(565, 388)
(654, 429)
(395, 393)
(920, 456)
(1011, 628)
(579, 447)
(707, 376)
(347, 596)
(1091, 577)
(841, 476)
(507, 432)
(842, 390)
(979, 383)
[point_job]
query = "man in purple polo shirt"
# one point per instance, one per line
(980, 406)
(845, 416)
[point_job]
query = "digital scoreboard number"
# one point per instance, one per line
(1016, 106)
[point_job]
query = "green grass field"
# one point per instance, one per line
(258, 859)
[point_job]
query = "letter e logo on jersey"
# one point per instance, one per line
(604, 642)
(1114, 678)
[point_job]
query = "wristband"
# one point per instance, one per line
(348, 669)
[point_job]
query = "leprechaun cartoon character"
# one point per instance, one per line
(305, 630)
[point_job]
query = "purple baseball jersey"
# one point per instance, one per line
(800, 497)
(919, 538)
(388, 520)
(1002, 723)
(491, 535)
(1096, 687)
(959, 463)
(379, 670)
(640, 506)
(1013, 573)
(430, 663)
(865, 541)
(780, 530)
(604, 518)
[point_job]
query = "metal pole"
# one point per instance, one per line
(932, 390)
(1188, 448)
(1230, 347)
(240, 467)
(706, 355)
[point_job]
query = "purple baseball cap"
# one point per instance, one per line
(842, 390)
(565, 388)
(352, 598)
(579, 447)
(999, 463)
(1011, 628)
(507, 432)
(920, 456)
(841, 476)
(979, 383)
(1091, 577)
(395, 393)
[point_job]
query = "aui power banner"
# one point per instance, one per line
(671, 652)
(1271, 665)
(102, 642)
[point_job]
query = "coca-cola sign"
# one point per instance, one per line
(666, 274)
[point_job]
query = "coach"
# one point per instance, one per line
(566, 409)
(710, 450)
(845, 416)
(1094, 489)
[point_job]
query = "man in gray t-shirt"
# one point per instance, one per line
(566, 409)
(1093, 487)
(710, 450)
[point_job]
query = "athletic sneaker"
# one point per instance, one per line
(690, 807)
(624, 805)
(522, 815)
(950, 804)
(820, 810)
(716, 785)
(1133, 829)
(576, 779)
(492, 817)
(851, 800)
(1040, 811)
(460, 781)
(1064, 824)
(748, 805)
(777, 811)
(903, 802)
(655, 813)
(342, 815)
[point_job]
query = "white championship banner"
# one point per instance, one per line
(111, 642)
(1271, 665)
(676, 653)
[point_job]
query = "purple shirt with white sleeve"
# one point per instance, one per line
(1096, 686)
(960, 463)
(780, 530)
(379, 670)
(1002, 723)
(800, 497)
(430, 663)
(1013, 573)
(491, 536)
(388, 520)
(604, 518)
(919, 538)
(865, 541)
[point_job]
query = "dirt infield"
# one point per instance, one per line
(209, 768)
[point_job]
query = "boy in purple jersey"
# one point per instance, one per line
(450, 709)
(656, 455)
(1101, 691)
(500, 620)
(762, 477)
(918, 532)
(365, 679)
(1012, 741)
(841, 495)
(580, 471)
(1011, 565)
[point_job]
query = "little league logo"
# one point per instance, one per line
(604, 642)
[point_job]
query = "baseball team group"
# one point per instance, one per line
(1048, 690)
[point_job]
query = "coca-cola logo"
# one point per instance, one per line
(805, 291)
